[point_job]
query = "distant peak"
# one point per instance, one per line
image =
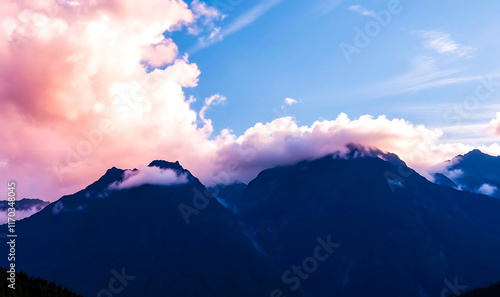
(356, 151)
(475, 152)
(162, 164)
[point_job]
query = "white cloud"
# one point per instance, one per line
(212, 100)
(97, 80)
(206, 18)
(442, 43)
(150, 176)
(290, 101)
(454, 174)
(495, 125)
(202, 10)
(487, 189)
(283, 142)
(361, 10)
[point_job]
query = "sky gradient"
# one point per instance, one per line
(233, 87)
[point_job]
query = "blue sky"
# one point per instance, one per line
(416, 78)
(421, 66)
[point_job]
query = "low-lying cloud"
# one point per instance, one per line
(20, 214)
(151, 176)
(487, 189)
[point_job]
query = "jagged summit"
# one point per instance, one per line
(166, 165)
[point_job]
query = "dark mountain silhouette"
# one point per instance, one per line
(399, 235)
(138, 243)
(25, 204)
(478, 169)
(442, 179)
(349, 224)
(24, 208)
(491, 291)
(26, 286)
(228, 194)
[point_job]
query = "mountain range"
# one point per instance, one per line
(24, 208)
(474, 172)
(342, 225)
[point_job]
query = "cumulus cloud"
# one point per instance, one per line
(442, 43)
(77, 99)
(290, 101)
(283, 142)
(77, 96)
(161, 53)
(151, 176)
(495, 125)
(487, 189)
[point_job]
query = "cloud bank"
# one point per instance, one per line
(20, 214)
(81, 92)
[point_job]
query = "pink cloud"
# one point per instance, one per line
(161, 53)
(76, 100)
(495, 125)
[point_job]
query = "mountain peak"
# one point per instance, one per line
(356, 151)
(162, 164)
(475, 152)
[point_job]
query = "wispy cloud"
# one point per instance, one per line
(205, 19)
(361, 10)
(423, 75)
(442, 43)
(324, 7)
(239, 23)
